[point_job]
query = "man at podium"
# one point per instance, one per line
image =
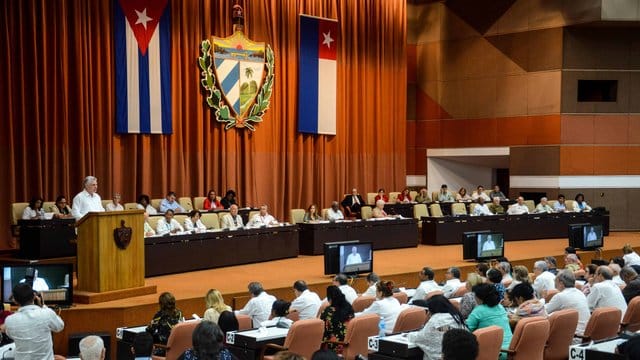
(88, 199)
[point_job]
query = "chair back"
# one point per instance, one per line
(220, 215)
(323, 306)
(433, 293)
(325, 214)
(180, 218)
(552, 203)
(435, 210)
(603, 323)
(411, 318)
(156, 203)
(458, 209)
(420, 210)
(569, 204)
(402, 297)
(186, 203)
(252, 213)
(293, 316)
(434, 195)
(489, 342)
(305, 337)
(104, 203)
(180, 339)
(210, 220)
(131, 206)
(413, 194)
(198, 202)
(49, 206)
(244, 322)
(531, 205)
(362, 302)
(529, 338)
(153, 221)
(365, 212)
(550, 294)
(297, 216)
(371, 198)
(631, 320)
(393, 196)
(357, 333)
(562, 327)
(461, 291)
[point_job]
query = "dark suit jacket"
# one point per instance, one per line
(348, 202)
(631, 290)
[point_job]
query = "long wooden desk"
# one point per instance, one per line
(42, 239)
(384, 234)
(449, 230)
(182, 253)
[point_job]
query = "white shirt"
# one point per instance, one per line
(481, 210)
(517, 209)
(307, 304)
(30, 327)
(606, 293)
(371, 291)
(571, 298)
(544, 282)
(429, 338)
(228, 222)
(558, 207)
(387, 308)
(39, 284)
(84, 203)
(29, 213)
(198, 227)
(488, 245)
(163, 228)
(631, 258)
(451, 286)
(258, 220)
(591, 236)
(482, 195)
(111, 207)
(424, 288)
(149, 209)
(258, 308)
(577, 208)
(334, 215)
(354, 259)
(349, 293)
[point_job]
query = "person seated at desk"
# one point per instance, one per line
(164, 320)
(215, 306)
(385, 306)
(489, 312)
(481, 208)
(263, 218)
(334, 213)
(560, 205)
(170, 203)
(279, 312)
(479, 193)
(193, 222)
(306, 303)
(115, 205)
(423, 196)
(372, 280)
(495, 207)
(34, 210)
(60, 209)
(208, 343)
(462, 195)
(523, 296)
(497, 193)
(444, 316)
(444, 195)
(259, 307)
(232, 220)
(229, 199)
(518, 208)
(148, 230)
(211, 202)
(335, 317)
(543, 206)
(579, 205)
(352, 203)
(378, 211)
(381, 196)
(168, 225)
(312, 214)
(142, 346)
(145, 204)
(404, 197)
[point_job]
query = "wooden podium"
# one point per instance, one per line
(108, 270)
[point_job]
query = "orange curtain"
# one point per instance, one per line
(57, 99)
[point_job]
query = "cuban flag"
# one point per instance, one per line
(143, 66)
(317, 76)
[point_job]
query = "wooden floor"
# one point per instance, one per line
(400, 265)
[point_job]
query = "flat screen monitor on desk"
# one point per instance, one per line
(53, 281)
(350, 257)
(586, 236)
(482, 245)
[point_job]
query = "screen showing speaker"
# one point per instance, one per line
(482, 245)
(586, 236)
(53, 281)
(351, 257)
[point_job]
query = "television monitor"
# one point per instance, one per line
(350, 257)
(482, 245)
(586, 236)
(53, 281)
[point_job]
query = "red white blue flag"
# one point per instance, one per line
(318, 75)
(143, 66)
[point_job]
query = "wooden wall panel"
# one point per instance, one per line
(534, 160)
(611, 129)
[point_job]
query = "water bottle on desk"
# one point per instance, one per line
(381, 327)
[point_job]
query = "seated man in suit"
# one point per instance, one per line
(352, 203)
(232, 220)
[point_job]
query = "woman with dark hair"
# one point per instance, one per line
(145, 204)
(193, 222)
(404, 197)
(229, 199)
(579, 205)
(164, 320)
(311, 214)
(385, 306)
(495, 278)
(444, 316)
(279, 312)
(211, 202)
(63, 210)
(207, 342)
(228, 322)
(523, 296)
(335, 317)
(489, 312)
(34, 210)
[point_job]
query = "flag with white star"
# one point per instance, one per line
(142, 37)
(317, 75)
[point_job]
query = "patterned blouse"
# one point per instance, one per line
(162, 324)
(189, 354)
(334, 329)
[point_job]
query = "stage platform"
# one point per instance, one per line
(400, 265)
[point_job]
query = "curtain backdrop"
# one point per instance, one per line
(57, 99)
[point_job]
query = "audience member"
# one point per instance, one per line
(590, 273)
(211, 202)
(92, 348)
(164, 320)
(335, 317)
(568, 297)
(468, 300)
(34, 210)
(444, 195)
(334, 213)
(444, 316)
(168, 225)
(381, 196)
(481, 208)
(479, 193)
(263, 218)
(341, 281)
(520, 275)
(30, 327)
(170, 203)
(579, 205)
(88, 199)
(505, 270)
(208, 343)
(462, 195)
(523, 296)
(404, 197)
(259, 307)
(572, 263)
(481, 269)
(423, 196)
(560, 205)
(312, 214)
(193, 223)
(215, 305)
(459, 344)
(631, 258)
(453, 282)
(496, 193)
(279, 312)
(495, 207)
(232, 220)
(552, 264)
(544, 280)
(324, 354)
(378, 211)
(489, 312)
(615, 270)
(229, 199)
(518, 208)
(632, 281)
(372, 279)
(386, 306)
(543, 206)
(61, 209)
(495, 278)
(306, 302)
(142, 346)
(115, 204)
(604, 292)
(427, 284)
(228, 322)
(145, 204)
(352, 203)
